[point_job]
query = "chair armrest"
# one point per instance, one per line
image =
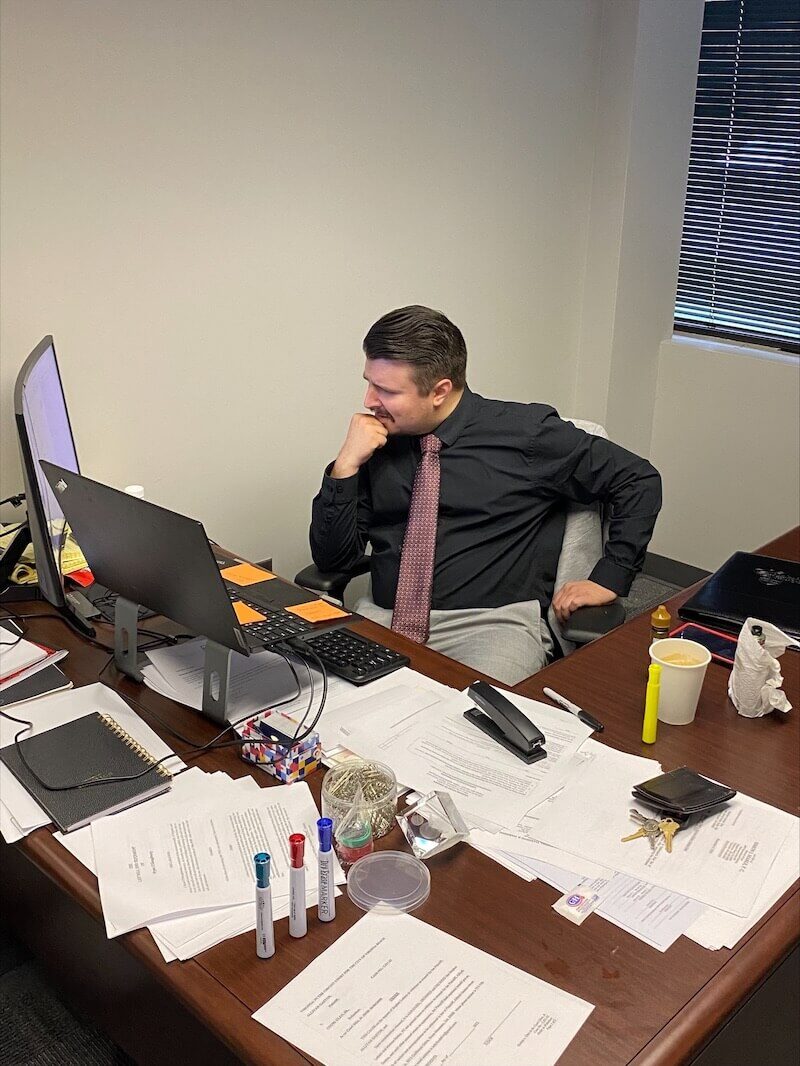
(331, 582)
(587, 623)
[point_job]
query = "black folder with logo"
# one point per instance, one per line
(749, 586)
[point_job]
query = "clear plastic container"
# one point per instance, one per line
(389, 882)
(378, 786)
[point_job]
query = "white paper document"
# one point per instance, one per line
(721, 860)
(437, 748)
(186, 936)
(395, 990)
(652, 914)
(716, 929)
(257, 681)
(346, 702)
(173, 858)
(521, 840)
(16, 653)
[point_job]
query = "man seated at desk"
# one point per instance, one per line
(462, 500)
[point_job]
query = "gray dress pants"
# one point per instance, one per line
(508, 643)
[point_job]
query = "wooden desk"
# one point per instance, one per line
(650, 1007)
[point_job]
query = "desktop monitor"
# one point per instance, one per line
(44, 432)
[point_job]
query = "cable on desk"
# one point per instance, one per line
(324, 672)
(194, 749)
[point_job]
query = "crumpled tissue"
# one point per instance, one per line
(755, 684)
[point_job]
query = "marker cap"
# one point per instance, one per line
(262, 861)
(325, 831)
(297, 843)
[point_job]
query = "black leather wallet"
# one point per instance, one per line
(683, 792)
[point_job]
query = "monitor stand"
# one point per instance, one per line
(216, 672)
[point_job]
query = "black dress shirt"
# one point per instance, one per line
(507, 473)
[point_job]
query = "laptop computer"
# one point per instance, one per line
(163, 560)
(749, 586)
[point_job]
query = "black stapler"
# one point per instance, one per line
(503, 722)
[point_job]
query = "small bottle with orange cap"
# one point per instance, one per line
(660, 621)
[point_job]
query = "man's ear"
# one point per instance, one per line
(441, 390)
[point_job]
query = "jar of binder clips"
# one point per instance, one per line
(361, 797)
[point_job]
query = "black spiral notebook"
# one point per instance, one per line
(88, 748)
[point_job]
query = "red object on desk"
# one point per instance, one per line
(83, 577)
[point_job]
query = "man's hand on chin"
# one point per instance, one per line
(577, 594)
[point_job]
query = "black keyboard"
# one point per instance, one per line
(276, 627)
(349, 655)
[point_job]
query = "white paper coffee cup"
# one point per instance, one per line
(681, 681)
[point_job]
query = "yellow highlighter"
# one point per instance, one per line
(650, 725)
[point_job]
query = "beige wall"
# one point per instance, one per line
(208, 203)
(726, 440)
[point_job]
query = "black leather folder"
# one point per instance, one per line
(749, 586)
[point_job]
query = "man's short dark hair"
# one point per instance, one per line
(425, 339)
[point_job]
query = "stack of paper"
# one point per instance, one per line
(724, 873)
(562, 819)
(257, 681)
(182, 864)
(20, 814)
(430, 745)
(20, 658)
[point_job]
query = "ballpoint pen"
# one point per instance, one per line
(573, 708)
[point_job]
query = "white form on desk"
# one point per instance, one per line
(653, 914)
(721, 860)
(168, 859)
(186, 936)
(345, 701)
(394, 990)
(437, 748)
(521, 840)
(716, 929)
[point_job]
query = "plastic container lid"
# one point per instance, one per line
(389, 882)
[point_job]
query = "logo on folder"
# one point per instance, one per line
(772, 578)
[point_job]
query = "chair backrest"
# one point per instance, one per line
(583, 541)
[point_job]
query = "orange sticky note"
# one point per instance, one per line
(317, 611)
(246, 574)
(246, 614)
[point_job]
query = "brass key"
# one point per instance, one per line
(669, 827)
(640, 832)
(650, 828)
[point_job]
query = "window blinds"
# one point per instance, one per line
(740, 252)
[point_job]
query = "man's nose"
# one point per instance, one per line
(371, 398)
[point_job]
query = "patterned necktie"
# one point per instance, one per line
(412, 605)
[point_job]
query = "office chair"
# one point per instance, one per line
(581, 547)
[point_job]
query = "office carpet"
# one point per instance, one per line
(646, 594)
(36, 1029)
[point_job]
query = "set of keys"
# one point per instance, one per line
(653, 828)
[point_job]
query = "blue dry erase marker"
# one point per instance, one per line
(326, 901)
(265, 934)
